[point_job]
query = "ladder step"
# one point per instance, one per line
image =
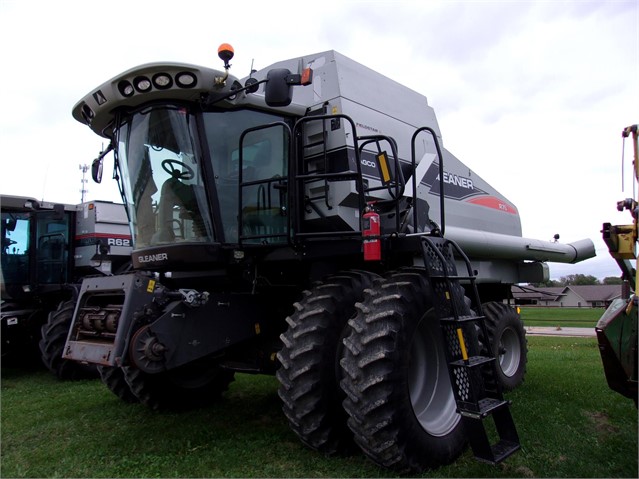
(483, 447)
(339, 176)
(500, 451)
(473, 361)
(311, 145)
(485, 407)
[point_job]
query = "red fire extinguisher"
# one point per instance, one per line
(371, 234)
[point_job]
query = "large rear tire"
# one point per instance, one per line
(191, 386)
(310, 372)
(508, 341)
(399, 398)
(53, 339)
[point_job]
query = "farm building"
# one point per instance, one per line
(595, 296)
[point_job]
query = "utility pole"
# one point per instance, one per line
(84, 169)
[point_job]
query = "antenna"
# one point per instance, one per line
(44, 181)
(83, 190)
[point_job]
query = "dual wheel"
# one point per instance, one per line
(363, 363)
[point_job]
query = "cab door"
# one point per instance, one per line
(53, 231)
(263, 158)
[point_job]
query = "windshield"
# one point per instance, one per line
(162, 177)
(15, 247)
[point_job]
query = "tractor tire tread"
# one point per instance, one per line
(309, 390)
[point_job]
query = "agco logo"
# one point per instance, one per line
(370, 163)
(119, 242)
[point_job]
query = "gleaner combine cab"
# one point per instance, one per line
(47, 249)
(306, 222)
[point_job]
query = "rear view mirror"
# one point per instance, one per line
(96, 166)
(96, 170)
(58, 212)
(278, 91)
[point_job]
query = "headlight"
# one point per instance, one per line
(125, 88)
(162, 81)
(142, 84)
(186, 80)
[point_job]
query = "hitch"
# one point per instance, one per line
(194, 298)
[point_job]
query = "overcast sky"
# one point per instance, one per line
(531, 95)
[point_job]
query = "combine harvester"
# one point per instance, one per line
(47, 249)
(307, 222)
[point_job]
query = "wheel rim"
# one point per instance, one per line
(509, 352)
(429, 386)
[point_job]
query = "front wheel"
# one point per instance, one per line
(113, 378)
(53, 339)
(309, 361)
(190, 386)
(399, 397)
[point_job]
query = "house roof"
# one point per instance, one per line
(599, 292)
(589, 293)
(543, 294)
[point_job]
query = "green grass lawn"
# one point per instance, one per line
(564, 317)
(570, 424)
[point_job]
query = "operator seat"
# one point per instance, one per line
(174, 193)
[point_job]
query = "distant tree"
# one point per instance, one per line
(612, 280)
(579, 280)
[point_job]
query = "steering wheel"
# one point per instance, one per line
(187, 174)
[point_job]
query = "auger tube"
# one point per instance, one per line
(483, 244)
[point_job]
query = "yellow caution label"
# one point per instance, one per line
(462, 344)
(447, 295)
(257, 328)
(151, 286)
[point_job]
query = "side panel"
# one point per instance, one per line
(471, 202)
